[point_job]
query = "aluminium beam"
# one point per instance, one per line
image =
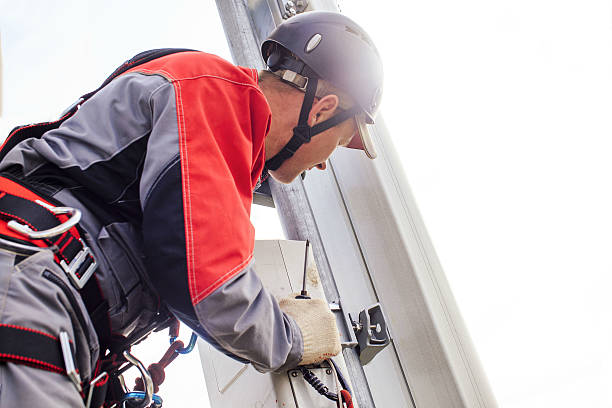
(371, 245)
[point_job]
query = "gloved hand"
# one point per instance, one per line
(318, 326)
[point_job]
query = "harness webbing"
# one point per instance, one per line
(67, 246)
(34, 348)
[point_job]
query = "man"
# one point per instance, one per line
(161, 162)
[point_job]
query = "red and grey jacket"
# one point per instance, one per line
(163, 161)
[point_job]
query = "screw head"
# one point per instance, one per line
(294, 374)
(328, 371)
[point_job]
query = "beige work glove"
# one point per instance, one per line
(318, 326)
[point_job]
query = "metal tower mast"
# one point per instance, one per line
(370, 245)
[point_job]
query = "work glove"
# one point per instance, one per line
(318, 325)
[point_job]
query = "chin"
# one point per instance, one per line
(282, 177)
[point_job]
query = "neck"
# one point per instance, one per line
(285, 108)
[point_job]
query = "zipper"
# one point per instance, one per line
(71, 298)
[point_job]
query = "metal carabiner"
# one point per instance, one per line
(92, 386)
(138, 395)
(146, 379)
(190, 346)
(75, 217)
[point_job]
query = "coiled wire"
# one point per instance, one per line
(315, 383)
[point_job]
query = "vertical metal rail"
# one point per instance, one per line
(371, 245)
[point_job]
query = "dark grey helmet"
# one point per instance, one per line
(336, 49)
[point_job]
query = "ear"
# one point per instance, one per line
(323, 109)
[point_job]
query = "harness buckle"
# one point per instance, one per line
(71, 370)
(73, 267)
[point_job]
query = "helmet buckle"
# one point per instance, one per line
(303, 132)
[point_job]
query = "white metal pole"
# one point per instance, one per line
(371, 245)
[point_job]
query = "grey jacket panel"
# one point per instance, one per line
(244, 318)
(163, 143)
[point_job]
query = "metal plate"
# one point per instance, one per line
(306, 396)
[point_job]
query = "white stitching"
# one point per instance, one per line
(187, 197)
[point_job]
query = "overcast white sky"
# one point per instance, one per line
(501, 113)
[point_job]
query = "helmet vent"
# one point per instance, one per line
(313, 42)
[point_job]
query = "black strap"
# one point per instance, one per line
(97, 307)
(22, 345)
(335, 120)
(302, 133)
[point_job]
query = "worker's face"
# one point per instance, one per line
(315, 153)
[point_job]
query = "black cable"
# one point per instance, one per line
(343, 381)
(317, 384)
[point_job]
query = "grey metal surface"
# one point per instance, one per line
(371, 246)
(299, 224)
(240, 34)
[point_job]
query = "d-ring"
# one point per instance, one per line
(75, 217)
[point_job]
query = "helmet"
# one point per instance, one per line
(336, 49)
(330, 46)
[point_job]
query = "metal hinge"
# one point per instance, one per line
(369, 334)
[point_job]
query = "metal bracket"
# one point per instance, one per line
(369, 335)
(289, 8)
(372, 333)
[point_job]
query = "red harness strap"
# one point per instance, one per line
(25, 207)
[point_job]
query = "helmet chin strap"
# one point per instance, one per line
(302, 133)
